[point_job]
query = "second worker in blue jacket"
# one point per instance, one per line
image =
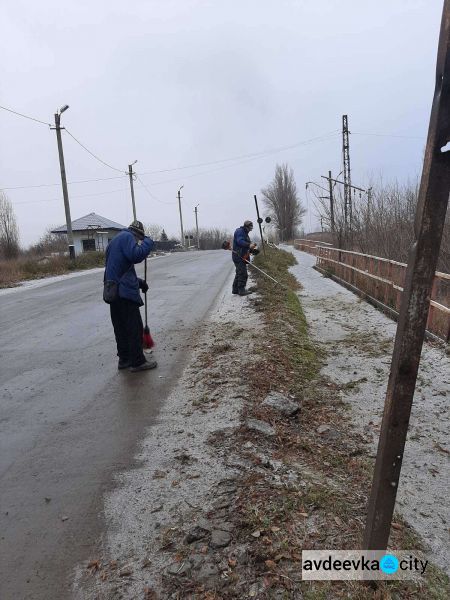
(242, 247)
(129, 247)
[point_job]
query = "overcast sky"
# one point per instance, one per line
(173, 83)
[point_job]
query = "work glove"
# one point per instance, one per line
(143, 285)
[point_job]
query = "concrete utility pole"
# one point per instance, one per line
(64, 180)
(347, 179)
(196, 226)
(181, 216)
(429, 223)
(330, 185)
(130, 173)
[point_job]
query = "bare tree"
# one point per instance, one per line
(281, 199)
(210, 239)
(382, 223)
(9, 231)
(153, 230)
(49, 242)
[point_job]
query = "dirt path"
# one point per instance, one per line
(358, 341)
(180, 481)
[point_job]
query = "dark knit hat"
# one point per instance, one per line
(137, 228)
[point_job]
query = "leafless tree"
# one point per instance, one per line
(153, 230)
(281, 199)
(382, 222)
(9, 231)
(210, 239)
(49, 242)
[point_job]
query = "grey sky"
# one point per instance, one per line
(179, 82)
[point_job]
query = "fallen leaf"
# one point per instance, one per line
(397, 526)
(256, 534)
(303, 514)
(270, 564)
(93, 564)
(275, 529)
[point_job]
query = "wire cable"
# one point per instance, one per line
(71, 197)
(92, 154)
(150, 193)
(25, 116)
(27, 187)
(391, 135)
(253, 158)
(244, 156)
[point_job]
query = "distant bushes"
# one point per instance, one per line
(14, 271)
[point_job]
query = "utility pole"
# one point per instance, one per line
(259, 223)
(181, 216)
(347, 179)
(64, 181)
(196, 227)
(330, 185)
(130, 173)
(429, 223)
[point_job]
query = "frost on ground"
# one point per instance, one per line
(179, 492)
(358, 342)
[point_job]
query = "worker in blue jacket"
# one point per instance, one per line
(129, 247)
(242, 247)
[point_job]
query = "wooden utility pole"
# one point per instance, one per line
(64, 181)
(130, 173)
(430, 216)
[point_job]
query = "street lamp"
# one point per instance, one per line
(181, 216)
(196, 226)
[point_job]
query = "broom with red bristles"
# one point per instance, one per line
(147, 337)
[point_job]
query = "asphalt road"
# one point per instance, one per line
(69, 419)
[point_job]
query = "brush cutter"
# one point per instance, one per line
(146, 338)
(227, 246)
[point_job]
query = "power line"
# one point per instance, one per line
(149, 192)
(92, 154)
(391, 135)
(244, 156)
(248, 158)
(25, 116)
(27, 187)
(254, 157)
(59, 199)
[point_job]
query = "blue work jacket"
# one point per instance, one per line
(241, 244)
(122, 253)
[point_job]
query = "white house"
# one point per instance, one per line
(91, 232)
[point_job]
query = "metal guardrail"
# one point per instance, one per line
(382, 280)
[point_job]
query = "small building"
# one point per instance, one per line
(91, 232)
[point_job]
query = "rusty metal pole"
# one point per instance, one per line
(259, 223)
(431, 209)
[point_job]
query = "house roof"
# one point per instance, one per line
(90, 221)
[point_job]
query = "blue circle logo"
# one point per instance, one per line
(389, 564)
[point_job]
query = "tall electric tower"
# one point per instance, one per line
(347, 179)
